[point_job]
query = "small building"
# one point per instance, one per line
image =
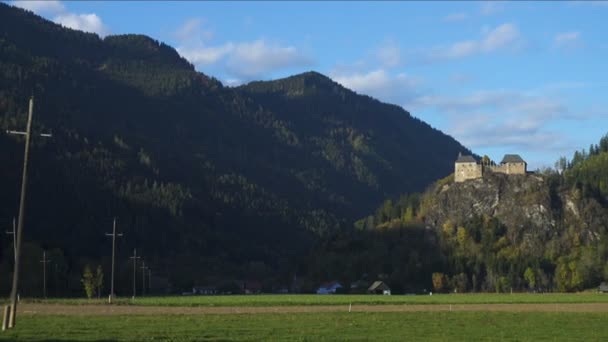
(379, 287)
(204, 290)
(251, 287)
(466, 167)
(513, 164)
(329, 288)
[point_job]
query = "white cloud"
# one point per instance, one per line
(255, 58)
(192, 31)
(381, 85)
(83, 22)
(491, 7)
(455, 17)
(502, 118)
(40, 6)
(206, 55)
(88, 22)
(247, 60)
(389, 54)
(502, 37)
(568, 40)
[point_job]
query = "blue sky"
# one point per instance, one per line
(500, 77)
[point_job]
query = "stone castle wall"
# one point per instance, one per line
(464, 171)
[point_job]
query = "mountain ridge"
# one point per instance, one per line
(201, 176)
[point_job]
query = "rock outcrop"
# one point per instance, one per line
(527, 205)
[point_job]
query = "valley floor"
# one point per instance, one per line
(462, 317)
(329, 326)
(339, 300)
(123, 310)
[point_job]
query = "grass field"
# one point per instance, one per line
(300, 300)
(427, 326)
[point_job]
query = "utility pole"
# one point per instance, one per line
(55, 280)
(44, 261)
(149, 280)
(143, 277)
(113, 235)
(14, 240)
(10, 312)
(134, 257)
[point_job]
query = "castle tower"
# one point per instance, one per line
(466, 167)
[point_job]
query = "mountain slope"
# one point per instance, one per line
(206, 181)
(381, 145)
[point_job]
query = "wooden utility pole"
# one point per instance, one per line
(134, 257)
(11, 310)
(44, 261)
(14, 239)
(149, 280)
(143, 277)
(113, 235)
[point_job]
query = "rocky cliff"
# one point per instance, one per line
(527, 205)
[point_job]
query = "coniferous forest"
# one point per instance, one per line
(207, 182)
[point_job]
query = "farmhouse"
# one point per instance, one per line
(379, 287)
(466, 167)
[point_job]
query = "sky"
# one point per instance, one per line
(500, 77)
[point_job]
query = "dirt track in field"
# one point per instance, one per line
(103, 310)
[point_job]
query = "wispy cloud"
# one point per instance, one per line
(206, 55)
(41, 7)
(500, 118)
(491, 7)
(456, 17)
(568, 40)
(240, 61)
(88, 22)
(394, 88)
(84, 22)
(192, 32)
(246, 60)
(502, 37)
(255, 58)
(389, 54)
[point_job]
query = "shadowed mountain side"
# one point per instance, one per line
(206, 181)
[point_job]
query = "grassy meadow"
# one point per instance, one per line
(427, 326)
(304, 299)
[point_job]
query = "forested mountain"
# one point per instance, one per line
(207, 182)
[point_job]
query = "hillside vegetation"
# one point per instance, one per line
(209, 183)
(546, 231)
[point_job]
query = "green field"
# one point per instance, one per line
(283, 300)
(318, 326)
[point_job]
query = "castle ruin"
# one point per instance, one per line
(466, 167)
